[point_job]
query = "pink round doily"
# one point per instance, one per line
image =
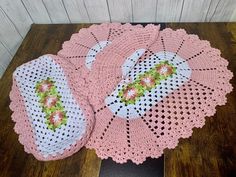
(52, 118)
(150, 88)
(82, 48)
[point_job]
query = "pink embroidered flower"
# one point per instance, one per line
(147, 81)
(45, 86)
(164, 70)
(130, 93)
(56, 118)
(50, 101)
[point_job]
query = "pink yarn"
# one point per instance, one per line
(77, 48)
(147, 88)
(174, 115)
(26, 129)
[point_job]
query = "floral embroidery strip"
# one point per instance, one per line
(51, 104)
(145, 82)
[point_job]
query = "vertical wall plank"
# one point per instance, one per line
(211, 10)
(233, 16)
(17, 13)
(56, 11)
(37, 11)
(76, 11)
(9, 36)
(195, 11)
(223, 11)
(169, 10)
(144, 10)
(97, 10)
(5, 58)
(120, 11)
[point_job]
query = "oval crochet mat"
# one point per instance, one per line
(52, 119)
(168, 89)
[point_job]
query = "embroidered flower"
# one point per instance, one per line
(56, 118)
(130, 93)
(50, 101)
(51, 104)
(165, 70)
(147, 81)
(44, 86)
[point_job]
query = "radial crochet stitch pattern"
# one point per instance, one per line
(82, 48)
(129, 92)
(143, 110)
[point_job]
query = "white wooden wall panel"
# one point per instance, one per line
(37, 11)
(56, 11)
(169, 10)
(191, 8)
(76, 11)
(144, 10)
(17, 14)
(5, 57)
(224, 10)
(211, 9)
(233, 17)
(120, 11)
(9, 36)
(98, 10)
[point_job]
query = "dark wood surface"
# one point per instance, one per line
(209, 152)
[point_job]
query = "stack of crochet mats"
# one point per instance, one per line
(126, 91)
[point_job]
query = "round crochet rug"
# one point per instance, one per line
(144, 103)
(82, 48)
(52, 119)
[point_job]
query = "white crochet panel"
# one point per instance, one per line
(131, 61)
(49, 142)
(91, 56)
(150, 98)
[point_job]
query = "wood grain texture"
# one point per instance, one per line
(37, 11)
(144, 10)
(120, 11)
(209, 152)
(169, 10)
(20, 14)
(56, 11)
(76, 11)
(13, 160)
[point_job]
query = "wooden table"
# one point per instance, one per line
(210, 152)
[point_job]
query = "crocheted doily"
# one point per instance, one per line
(52, 119)
(82, 48)
(168, 89)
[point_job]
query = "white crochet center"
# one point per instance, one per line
(167, 86)
(91, 55)
(49, 142)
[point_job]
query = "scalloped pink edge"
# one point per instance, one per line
(202, 118)
(99, 27)
(24, 128)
